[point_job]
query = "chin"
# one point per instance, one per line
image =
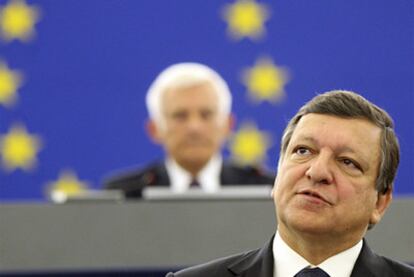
(309, 224)
(313, 229)
(198, 161)
(197, 155)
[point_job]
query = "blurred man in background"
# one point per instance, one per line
(339, 157)
(189, 105)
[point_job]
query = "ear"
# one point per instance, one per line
(153, 131)
(229, 124)
(383, 201)
(231, 121)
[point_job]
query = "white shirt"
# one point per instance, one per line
(208, 177)
(287, 262)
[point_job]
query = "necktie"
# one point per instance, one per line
(312, 272)
(194, 184)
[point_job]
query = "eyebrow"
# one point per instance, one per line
(342, 149)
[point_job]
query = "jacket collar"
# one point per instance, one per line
(255, 263)
(260, 263)
(369, 264)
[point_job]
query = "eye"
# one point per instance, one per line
(179, 115)
(206, 114)
(351, 163)
(302, 151)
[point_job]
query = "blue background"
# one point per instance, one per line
(91, 62)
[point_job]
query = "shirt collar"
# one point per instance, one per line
(288, 262)
(341, 264)
(208, 177)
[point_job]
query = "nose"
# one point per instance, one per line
(320, 169)
(194, 123)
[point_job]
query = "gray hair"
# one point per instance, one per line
(183, 75)
(348, 104)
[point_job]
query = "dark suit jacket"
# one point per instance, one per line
(132, 182)
(259, 263)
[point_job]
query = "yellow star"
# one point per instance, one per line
(249, 145)
(10, 81)
(17, 20)
(245, 18)
(265, 81)
(67, 184)
(18, 149)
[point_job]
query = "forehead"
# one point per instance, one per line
(355, 134)
(197, 94)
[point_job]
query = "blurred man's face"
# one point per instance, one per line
(193, 130)
(325, 186)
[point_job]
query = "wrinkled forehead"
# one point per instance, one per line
(195, 96)
(339, 134)
(334, 127)
(184, 84)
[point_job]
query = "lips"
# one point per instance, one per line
(314, 194)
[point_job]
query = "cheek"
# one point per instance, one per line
(347, 192)
(290, 174)
(168, 132)
(172, 139)
(216, 134)
(357, 194)
(284, 183)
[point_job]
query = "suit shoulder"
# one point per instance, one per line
(399, 268)
(119, 178)
(249, 175)
(218, 267)
(132, 181)
(370, 263)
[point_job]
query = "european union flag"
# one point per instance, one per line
(74, 74)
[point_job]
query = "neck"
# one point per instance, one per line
(192, 168)
(316, 248)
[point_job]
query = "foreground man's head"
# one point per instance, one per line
(339, 157)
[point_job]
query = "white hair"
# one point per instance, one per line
(183, 75)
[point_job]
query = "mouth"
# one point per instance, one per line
(314, 194)
(195, 140)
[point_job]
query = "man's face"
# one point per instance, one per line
(193, 130)
(325, 185)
